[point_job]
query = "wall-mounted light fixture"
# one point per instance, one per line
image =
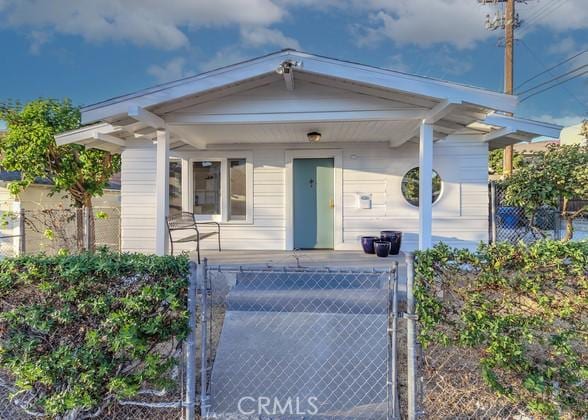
(286, 66)
(314, 136)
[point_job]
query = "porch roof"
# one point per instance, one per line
(404, 101)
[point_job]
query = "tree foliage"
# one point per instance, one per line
(496, 158)
(78, 332)
(552, 178)
(29, 147)
(524, 310)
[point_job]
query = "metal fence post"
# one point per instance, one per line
(395, 399)
(86, 230)
(204, 399)
(190, 400)
(411, 349)
(21, 227)
(492, 212)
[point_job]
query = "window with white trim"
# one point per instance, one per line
(221, 187)
(237, 189)
(207, 187)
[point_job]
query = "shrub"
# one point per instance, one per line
(79, 331)
(525, 311)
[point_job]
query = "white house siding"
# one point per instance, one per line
(460, 215)
(138, 199)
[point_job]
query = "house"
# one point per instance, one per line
(527, 150)
(294, 150)
(35, 200)
(575, 134)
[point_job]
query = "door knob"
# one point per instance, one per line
(332, 203)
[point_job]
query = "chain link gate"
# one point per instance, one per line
(298, 342)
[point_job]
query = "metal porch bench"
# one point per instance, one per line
(186, 221)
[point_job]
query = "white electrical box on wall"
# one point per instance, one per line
(364, 201)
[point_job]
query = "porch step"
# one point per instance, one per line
(310, 280)
(346, 301)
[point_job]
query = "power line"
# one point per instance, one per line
(553, 79)
(539, 13)
(538, 59)
(555, 85)
(547, 70)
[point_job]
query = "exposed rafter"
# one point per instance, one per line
(107, 138)
(438, 112)
(155, 121)
(501, 132)
(148, 118)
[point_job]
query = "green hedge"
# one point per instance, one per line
(80, 331)
(525, 309)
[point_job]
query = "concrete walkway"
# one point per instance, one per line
(306, 343)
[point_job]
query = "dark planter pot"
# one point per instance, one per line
(395, 239)
(367, 242)
(382, 248)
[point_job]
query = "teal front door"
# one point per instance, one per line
(313, 203)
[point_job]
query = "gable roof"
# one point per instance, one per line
(310, 64)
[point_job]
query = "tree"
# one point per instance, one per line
(552, 178)
(496, 158)
(29, 147)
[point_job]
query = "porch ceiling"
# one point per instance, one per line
(212, 134)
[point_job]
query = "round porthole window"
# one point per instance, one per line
(410, 186)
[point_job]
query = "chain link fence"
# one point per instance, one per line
(512, 224)
(293, 341)
(26, 232)
(446, 381)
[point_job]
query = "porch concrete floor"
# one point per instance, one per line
(308, 258)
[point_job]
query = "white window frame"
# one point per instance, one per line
(222, 157)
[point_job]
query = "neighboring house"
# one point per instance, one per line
(527, 150)
(33, 200)
(575, 134)
(294, 150)
(38, 197)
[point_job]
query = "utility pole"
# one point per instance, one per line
(509, 21)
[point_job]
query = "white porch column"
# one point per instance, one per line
(425, 186)
(161, 191)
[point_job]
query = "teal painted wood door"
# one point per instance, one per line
(313, 203)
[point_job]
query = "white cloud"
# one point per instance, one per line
(564, 121)
(156, 23)
(563, 46)
(37, 40)
(424, 23)
(165, 24)
(172, 70)
(560, 16)
(258, 36)
(397, 62)
(229, 55)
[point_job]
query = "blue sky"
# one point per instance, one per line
(90, 50)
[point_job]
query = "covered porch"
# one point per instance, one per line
(374, 125)
(308, 258)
